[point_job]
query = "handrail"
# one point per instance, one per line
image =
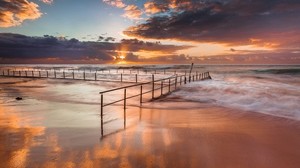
(199, 76)
(143, 83)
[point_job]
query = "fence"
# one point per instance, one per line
(171, 83)
(116, 75)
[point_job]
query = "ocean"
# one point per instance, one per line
(268, 89)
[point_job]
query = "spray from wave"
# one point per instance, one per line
(270, 91)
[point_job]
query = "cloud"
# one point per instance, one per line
(17, 48)
(132, 12)
(115, 3)
(14, 12)
(47, 1)
(138, 45)
(232, 22)
(153, 8)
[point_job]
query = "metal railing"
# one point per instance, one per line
(171, 83)
(116, 75)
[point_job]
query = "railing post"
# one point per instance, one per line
(180, 80)
(39, 73)
(19, 73)
(161, 87)
(25, 73)
(124, 107)
(136, 78)
(47, 74)
(152, 86)
(101, 113)
(175, 82)
(64, 74)
(73, 75)
(184, 79)
(32, 73)
(121, 77)
(84, 75)
(95, 76)
(141, 95)
(169, 84)
(54, 74)
(124, 98)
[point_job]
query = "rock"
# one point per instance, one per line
(19, 98)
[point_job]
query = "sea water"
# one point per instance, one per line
(269, 89)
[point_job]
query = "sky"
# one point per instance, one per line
(150, 31)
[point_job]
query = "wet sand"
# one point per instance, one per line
(161, 134)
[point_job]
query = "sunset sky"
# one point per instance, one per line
(150, 31)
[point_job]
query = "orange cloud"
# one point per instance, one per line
(152, 8)
(13, 13)
(115, 3)
(47, 1)
(132, 12)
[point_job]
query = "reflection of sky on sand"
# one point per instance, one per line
(55, 127)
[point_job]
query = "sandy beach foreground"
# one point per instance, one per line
(199, 136)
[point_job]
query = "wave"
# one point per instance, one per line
(279, 71)
(265, 95)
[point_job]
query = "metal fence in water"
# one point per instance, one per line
(116, 75)
(146, 82)
(158, 88)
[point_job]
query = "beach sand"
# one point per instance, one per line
(161, 134)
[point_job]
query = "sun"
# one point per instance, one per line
(122, 57)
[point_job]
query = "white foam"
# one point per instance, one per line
(264, 94)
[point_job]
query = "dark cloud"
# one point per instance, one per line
(20, 47)
(138, 45)
(107, 39)
(281, 57)
(234, 22)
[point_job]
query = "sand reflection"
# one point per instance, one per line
(199, 137)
